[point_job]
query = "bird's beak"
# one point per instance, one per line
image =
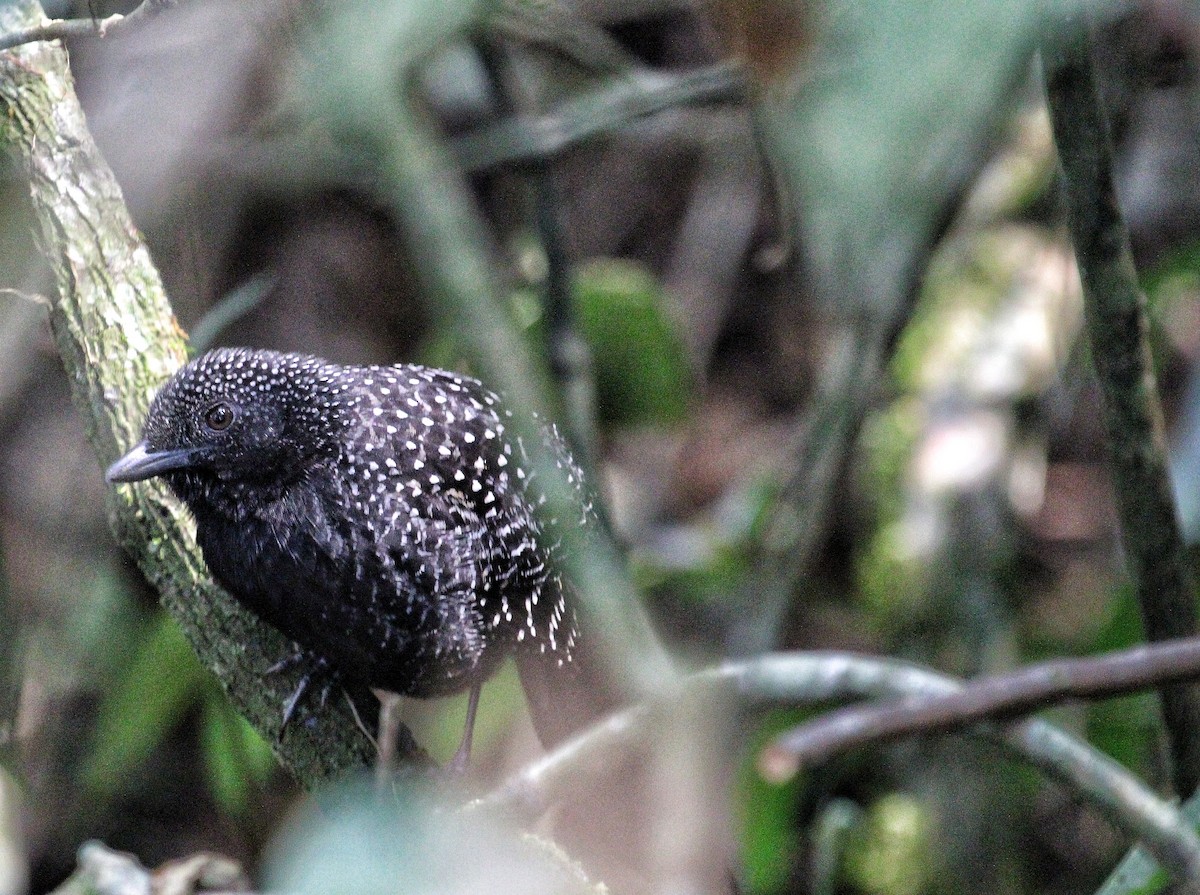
(141, 463)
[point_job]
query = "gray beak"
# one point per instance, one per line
(141, 464)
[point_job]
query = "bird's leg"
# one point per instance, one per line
(318, 670)
(462, 757)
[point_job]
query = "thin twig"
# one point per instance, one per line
(814, 678)
(1116, 321)
(67, 29)
(522, 138)
(994, 697)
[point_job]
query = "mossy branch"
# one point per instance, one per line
(119, 341)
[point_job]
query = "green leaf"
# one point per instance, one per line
(770, 838)
(642, 373)
(163, 680)
(236, 758)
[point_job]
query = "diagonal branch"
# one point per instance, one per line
(119, 341)
(1115, 310)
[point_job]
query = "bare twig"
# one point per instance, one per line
(1116, 320)
(67, 29)
(994, 697)
(813, 678)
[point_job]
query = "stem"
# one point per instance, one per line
(1117, 328)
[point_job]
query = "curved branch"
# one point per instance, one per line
(992, 698)
(813, 678)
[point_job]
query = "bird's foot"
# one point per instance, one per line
(457, 766)
(318, 671)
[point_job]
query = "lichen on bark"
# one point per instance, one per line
(119, 341)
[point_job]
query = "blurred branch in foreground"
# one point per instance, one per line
(1115, 311)
(799, 679)
(65, 29)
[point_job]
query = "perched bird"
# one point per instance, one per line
(384, 518)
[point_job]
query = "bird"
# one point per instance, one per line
(386, 519)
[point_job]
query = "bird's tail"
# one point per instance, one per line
(565, 697)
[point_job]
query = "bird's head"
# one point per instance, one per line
(234, 415)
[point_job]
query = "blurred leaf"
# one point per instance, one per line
(770, 838)
(890, 853)
(351, 841)
(639, 360)
(642, 374)
(1128, 728)
(140, 710)
(236, 757)
(891, 113)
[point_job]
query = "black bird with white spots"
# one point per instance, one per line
(384, 518)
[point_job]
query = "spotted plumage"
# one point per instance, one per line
(385, 518)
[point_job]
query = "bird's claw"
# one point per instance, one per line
(318, 669)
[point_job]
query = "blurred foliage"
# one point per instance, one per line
(890, 852)
(640, 368)
(1127, 728)
(238, 760)
(334, 848)
(150, 697)
(770, 838)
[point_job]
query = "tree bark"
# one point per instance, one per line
(1115, 310)
(119, 341)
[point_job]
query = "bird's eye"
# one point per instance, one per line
(219, 417)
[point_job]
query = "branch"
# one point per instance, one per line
(994, 698)
(66, 29)
(533, 137)
(800, 679)
(1116, 321)
(119, 342)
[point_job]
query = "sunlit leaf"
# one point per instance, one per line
(159, 685)
(235, 756)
